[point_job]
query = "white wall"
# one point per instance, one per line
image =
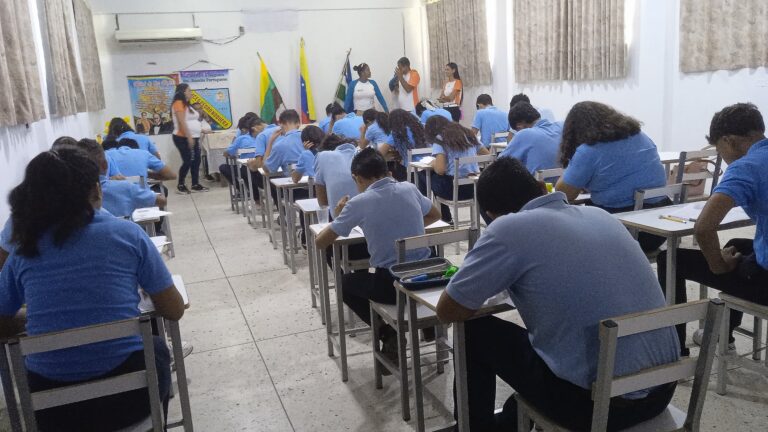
(19, 144)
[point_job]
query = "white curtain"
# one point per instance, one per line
(67, 95)
(723, 34)
(89, 57)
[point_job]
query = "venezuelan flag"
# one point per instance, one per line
(270, 98)
(307, 101)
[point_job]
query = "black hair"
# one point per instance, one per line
(313, 134)
(329, 108)
(400, 121)
(55, 196)
(289, 116)
(449, 134)
(130, 143)
(110, 142)
(251, 114)
(403, 61)
(369, 164)
(484, 99)
(337, 109)
(420, 107)
(178, 95)
(505, 186)
(118, 126)
(93, 150)
(140, 129)
(331, 141)
(455, 69)
(381, 118)
(741, 119)
(244, 123)
(359, 68)
(63, 141)
(520, 97)
(591, 123)
(522, 112)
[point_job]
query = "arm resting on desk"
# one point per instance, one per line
(255, 163)
(164, 174)
(705, 230)
(296, 176)
(570, 191)
(160, 201)
(433, 216)
(325, 238)
(12, 325)
(449, 310)
(168, 303)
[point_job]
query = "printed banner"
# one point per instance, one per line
(210, 89)
(151, 97)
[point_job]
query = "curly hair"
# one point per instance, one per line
(332, 141)
(448, 134)
(591, 123)
(400, 121)
(381, 118)
(55, 197)
(741, 119)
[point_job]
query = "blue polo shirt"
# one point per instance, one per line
(430, 113)
(537, 147)
(403, 147)
(375, 135)
(324, 123)
(613, 171)
(5, 236)
(490, 121)
(387, 211)
(91, 279)
(285, 151)
(263, 137)
(452, 155)
(245, 142)
(746, 182)
(112, 168)
(121, 197)
(306, 163)
(333, 170)
(144, 142)
(132, 162)
(349, 126)
(561, 308)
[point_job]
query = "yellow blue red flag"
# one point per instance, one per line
(307, 101)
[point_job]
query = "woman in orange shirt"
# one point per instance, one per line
(184, 140)
(452, 94)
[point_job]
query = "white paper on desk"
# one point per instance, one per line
(691, 212)
(358, 230)
(160, 241)
(148, 213)
(426, 160)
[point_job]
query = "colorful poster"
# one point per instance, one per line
(210, 89)
(151, 97)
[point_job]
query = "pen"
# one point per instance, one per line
(673, 218)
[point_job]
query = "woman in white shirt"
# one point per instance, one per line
(363, 92)
(452, 94)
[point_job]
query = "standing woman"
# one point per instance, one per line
(362, 91)
(184, 120)
(453, 91)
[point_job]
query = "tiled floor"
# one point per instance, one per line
(260, 361)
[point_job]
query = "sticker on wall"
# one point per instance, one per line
(210, 89)
(151, 97)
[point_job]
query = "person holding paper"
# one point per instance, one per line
(741, 267)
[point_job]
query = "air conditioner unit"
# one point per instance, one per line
(190, 34)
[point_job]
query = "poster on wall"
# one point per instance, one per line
(210, 89)
(151, 97)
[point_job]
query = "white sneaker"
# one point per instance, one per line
(186, 349)
(698, 336)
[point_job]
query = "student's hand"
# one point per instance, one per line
(340, 205)
(308, 145)
(117, 177)
(731, 258)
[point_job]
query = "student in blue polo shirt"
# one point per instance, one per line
(67, 253)
(386, 210)
(349, 126)
(604, 152)
(131, 161)
(425, 110)
(741, 267)
(6, 245)
(537, 141)
(120, 129)
(324, 122)
(312, 137)
(250, 140)
(333, 173)
(407, 134)
(283, 147)
(337, 113)
(375, 129)
(489, 120)
(552, 362)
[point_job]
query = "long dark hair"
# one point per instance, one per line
(331, 141)
(455, 69)
(591, 123)
(448, 134)
(399, 122)
(381, 118)
(55, 195)
(118, 126)
(313, 134)
(178, 95)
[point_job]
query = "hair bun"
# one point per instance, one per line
(356, 68)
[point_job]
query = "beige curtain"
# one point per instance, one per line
(89, 56)
(723, 34)
(569, 40)
(66, 88)
(457, 33)
(21, 98)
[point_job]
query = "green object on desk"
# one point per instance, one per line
(450, 271)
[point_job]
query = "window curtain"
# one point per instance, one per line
(89, 56)
(569, 40)
(66, 87)
(21, 97)
(723, 34)
(457, 33)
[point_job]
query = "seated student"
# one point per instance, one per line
(450, 141)
(349, 126)
(131, 161)
(333, 174)
(741, 267)
(241, 122)
(337, 113)
(254, 126)
(386, 210)
(323, 123)
(120, 129)
(425, 110)
(537, 141)
(552, 362)
(407, 134)
(375, 129)
(489, 120)
(283, 148)
(606, 153)
(312, 137)
(67, 252)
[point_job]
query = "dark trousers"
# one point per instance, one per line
(455, 112)
(226, 172)
(399, 172)
(442, 186)
(749, 281)
(359, 288)
(190, 159)
(648, 242)
(258, 181)
(111, 412)
(500, 348)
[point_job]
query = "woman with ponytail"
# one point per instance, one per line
(189, 146)
(362, 92)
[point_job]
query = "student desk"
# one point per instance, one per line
(148, 217)
(309, 208)
(498, 147)
(648, 221)
(285, 187)
(214, 144)
(266, 214)
(429, 298)
(415, 167)
(245, 201)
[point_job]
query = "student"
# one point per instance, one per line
(68, 251)
(375, 129)
(131, 161)
(349, 126)
(386, 210)
(606, 153)
(187, 145)
(450, 141)
(425, 110)
(283, 148)
(257, 161)
(120, 129)
(337, 113)
(453, 91)
(247, 116)
(741, 267)
(405, 85)
(323, 123)
(552, 362)
(362, 92)
(488, 120)
(245, 141)
(537, 141)
(333, 173)
(407, 134)
(311, 136)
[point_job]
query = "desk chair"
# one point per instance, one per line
(709, 156)
(759, 312)
(394, 315)
(31, 402)
(244, 192)
(412, 171)
(607, 385)
(265, 200)
(233, 198)
(675, 192)
(544, 174)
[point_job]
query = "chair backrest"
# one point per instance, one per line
(435, 240)
(242, 151)
(31, 402)
(482, 161)
(544, 174)
(708, 154)
(139, 180)
(500, 137)
(676, 192)
(607, 385)
(426, 151)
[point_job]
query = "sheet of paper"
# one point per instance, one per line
(148, 213)
(690, 212)
(426, 160)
